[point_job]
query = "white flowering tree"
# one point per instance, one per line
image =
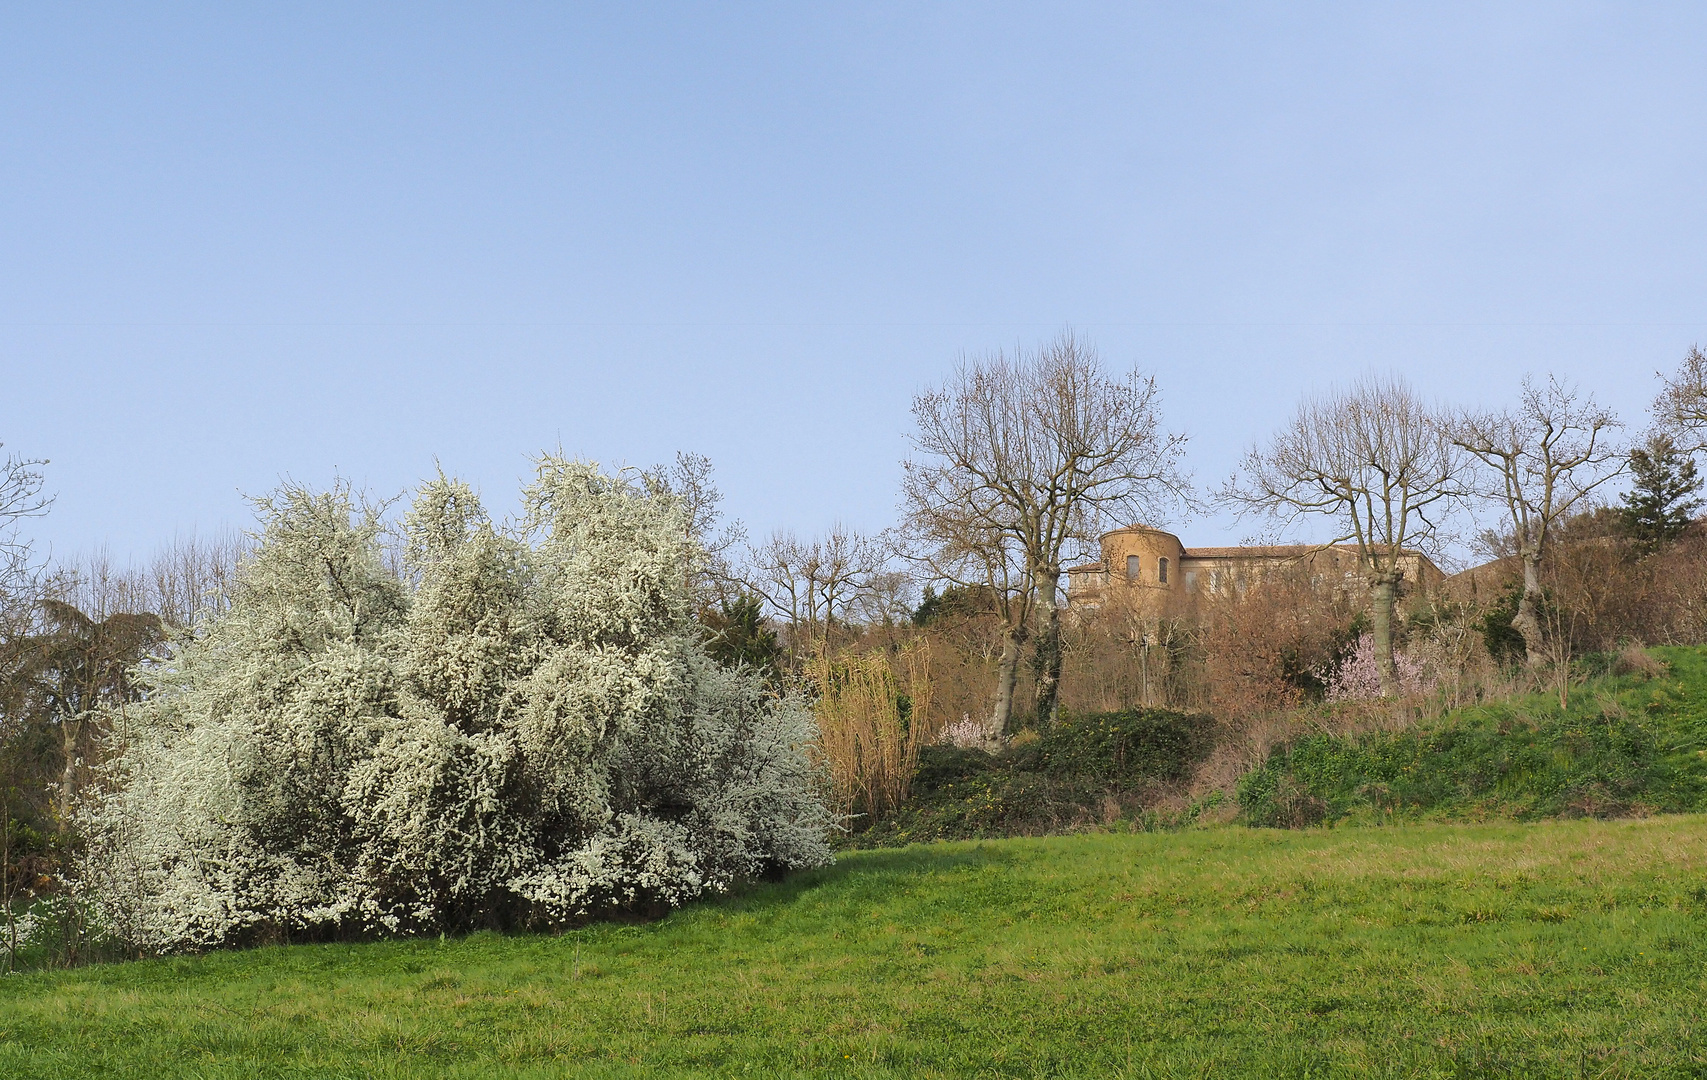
(523, 731)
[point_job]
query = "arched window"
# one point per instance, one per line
(1162, 571)
(1132, 570)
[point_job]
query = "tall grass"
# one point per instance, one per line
(874, 713)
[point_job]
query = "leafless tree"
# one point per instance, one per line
(21, 497)
(191, 577)
(1538, 464)
(1376, 462)
(816, 584)
(689, 479)
(1680, 410)
(1023, 460)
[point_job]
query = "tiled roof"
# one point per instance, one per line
(1271, 551)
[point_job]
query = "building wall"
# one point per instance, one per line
(1132, 561)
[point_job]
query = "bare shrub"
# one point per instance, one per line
(1676, 597)
(1633, 659)
(1121, 656)
(1263, 651)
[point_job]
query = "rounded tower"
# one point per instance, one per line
(1142, 558)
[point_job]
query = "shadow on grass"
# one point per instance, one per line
(921, 860)
(882, 868)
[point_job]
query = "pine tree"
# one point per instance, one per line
(1662, 500)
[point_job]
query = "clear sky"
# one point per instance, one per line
(237, 244)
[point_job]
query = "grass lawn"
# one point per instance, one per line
(1553, 949)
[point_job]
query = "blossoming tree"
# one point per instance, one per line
(521, 729)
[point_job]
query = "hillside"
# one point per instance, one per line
(1554, 949)
(1631, 741)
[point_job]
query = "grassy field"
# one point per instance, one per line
(1553, 949)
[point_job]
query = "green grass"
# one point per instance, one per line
(1557, 949)
(1624, 744)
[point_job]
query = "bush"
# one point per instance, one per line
(1078, 772)
(526, 729)
(1123, 750)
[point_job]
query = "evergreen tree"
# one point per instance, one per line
(737, 634)
(1663, 499)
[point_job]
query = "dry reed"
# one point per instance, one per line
(874, 713)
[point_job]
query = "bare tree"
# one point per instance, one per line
(1023, 459)
(1538, 464)
(191, 577)
(1680, 410)
(816, 584)
(888, 597)
(195, 576)
(21, 496)
(689, 479)
(1376, 462)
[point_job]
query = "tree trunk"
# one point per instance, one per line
(1007, 674)
(69, 729)
(1048, 658)
(1528, 619)
(6, 881)
(1381, 612)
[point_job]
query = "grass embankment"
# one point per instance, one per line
(1624, 744)
(1559, 949)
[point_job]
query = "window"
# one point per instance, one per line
(1162, 571)
(1132, 570)
(1190, 581)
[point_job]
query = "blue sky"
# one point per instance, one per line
(243, 243)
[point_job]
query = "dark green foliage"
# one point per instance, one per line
(1121, 751)
(1628, 747)
(954, 602)
(1079, 771)
(1502, 639)
(738, 634)
(1663, 495)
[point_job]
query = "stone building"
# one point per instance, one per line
(1152, 569)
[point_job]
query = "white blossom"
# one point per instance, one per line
(523, 731)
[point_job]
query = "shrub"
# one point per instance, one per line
(526, 729)
(1084, 769)
(1121, 750)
